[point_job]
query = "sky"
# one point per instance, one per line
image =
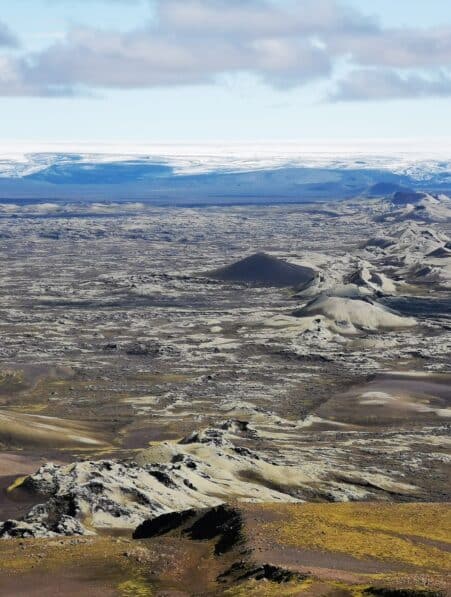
(193, 71)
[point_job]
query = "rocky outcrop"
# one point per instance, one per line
(174, 483)
(420, 207)
(105, 494)
(201, 471)
(222, 523)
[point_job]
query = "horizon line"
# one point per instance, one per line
(410, 145)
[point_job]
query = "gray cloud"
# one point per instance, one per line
(285, 44)
(14, 82)
(194, 42)
(377, 84)
(7, 37)
(260, 17)
(397, 48)
(144, 59)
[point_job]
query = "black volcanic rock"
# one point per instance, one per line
(262, 269)
(405, 197)
(222, 523)
(161, 525)
(441, 252)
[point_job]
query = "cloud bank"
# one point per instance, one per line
(190, 42)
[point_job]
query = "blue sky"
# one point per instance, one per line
(211, 70)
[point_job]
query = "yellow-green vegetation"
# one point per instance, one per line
(391, 532)
(134, 588)
(115, 564)
(162, 378)
(17, 483)
(408, 539)
(12, 381)
(96, 553)
(29, 408)
(254, 588)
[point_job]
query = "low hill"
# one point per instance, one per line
(264, 270)
(347, 315)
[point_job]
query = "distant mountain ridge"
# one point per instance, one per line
(204, 180)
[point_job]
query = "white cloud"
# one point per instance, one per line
(285, 44)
